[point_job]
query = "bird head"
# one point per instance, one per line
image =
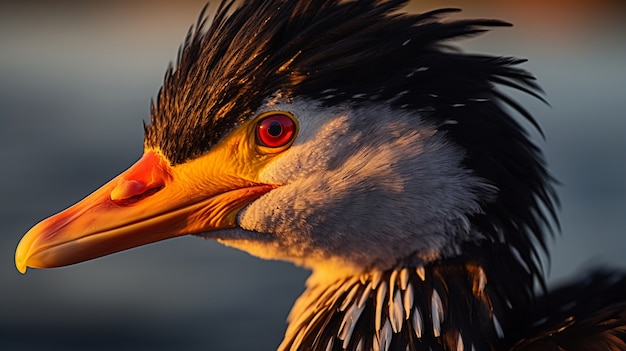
(342, 136)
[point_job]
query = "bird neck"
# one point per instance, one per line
(449, 304)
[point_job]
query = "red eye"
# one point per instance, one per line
(275, 131)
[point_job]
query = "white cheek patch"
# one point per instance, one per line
(369, 185)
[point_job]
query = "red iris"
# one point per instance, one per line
(275, 130)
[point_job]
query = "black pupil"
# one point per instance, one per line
(275, 129)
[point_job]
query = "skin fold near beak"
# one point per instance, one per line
(149, 202)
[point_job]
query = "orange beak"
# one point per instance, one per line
(149, 202)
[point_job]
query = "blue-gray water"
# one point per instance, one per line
(75, 84)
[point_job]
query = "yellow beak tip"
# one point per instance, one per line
(21, 266)
(21, 257)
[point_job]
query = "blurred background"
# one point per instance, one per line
(76, 79)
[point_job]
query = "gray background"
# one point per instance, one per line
(75, 84)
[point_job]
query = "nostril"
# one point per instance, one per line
(128, 192)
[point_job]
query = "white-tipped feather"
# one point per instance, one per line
(421, 272)
(418, 323)
(482, 280)
(404, 278)
(408, 300)
(459, 343)
(364, 277)
(348, 324)
(396, 312)
(393, 279)
(376, 341)
(437, 313)
(365, 295)
(349, 298)
(376, 277)
(380, 303)
(385, 337)
(497, 327)
(359, 345)
(329, 346)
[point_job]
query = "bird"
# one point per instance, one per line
(354, 139)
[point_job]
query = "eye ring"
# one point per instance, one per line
(276, 130)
